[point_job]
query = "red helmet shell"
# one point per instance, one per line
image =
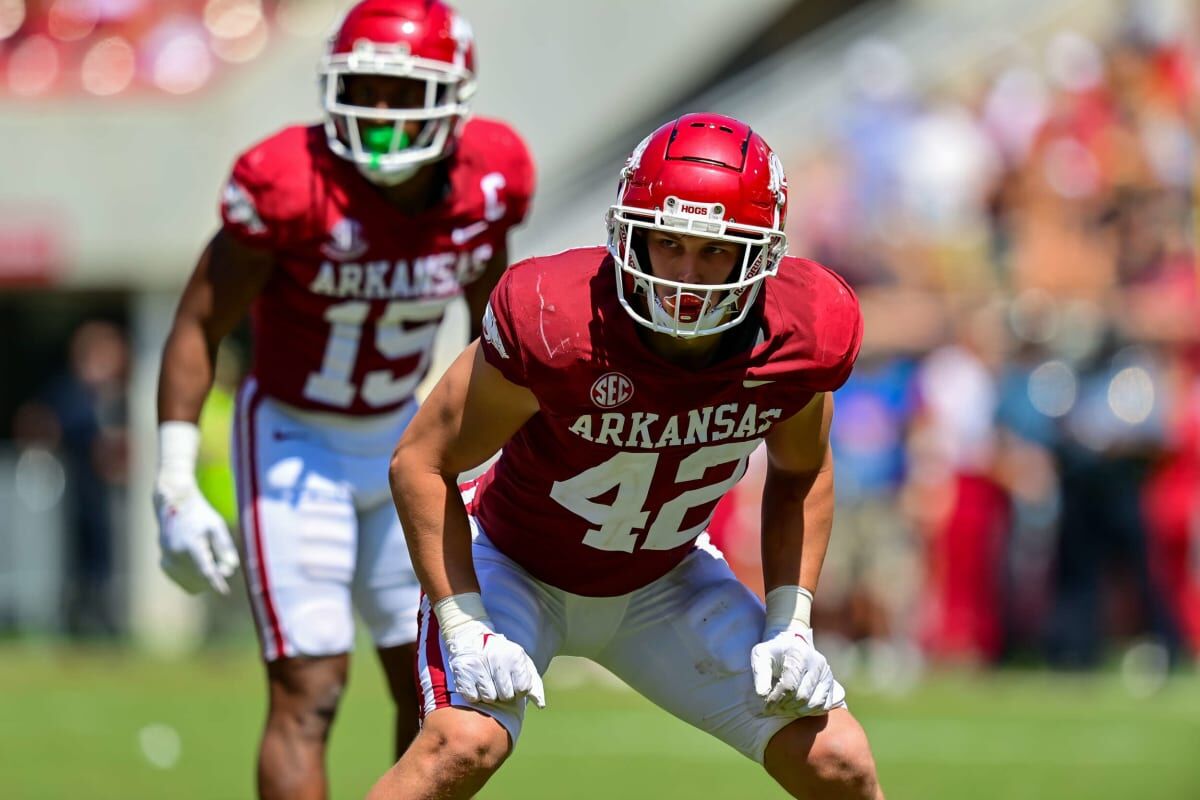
(428, 29)
(708, 158)
(418, 40)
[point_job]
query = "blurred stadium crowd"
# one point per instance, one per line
(110, 47)
(1018, 450)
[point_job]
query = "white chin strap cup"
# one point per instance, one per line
(389, 177)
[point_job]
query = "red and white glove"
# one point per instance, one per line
(487, 667)
(196, 549)
(790, 674)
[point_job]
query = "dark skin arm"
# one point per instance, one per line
(467, 417)
(797, 502)
(227, 278)
(478, 291)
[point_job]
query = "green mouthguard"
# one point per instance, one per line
(377, 140)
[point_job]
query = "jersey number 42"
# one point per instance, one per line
(631, 474)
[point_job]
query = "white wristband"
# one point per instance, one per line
(178, 446)
(788, 608)
(457, 610)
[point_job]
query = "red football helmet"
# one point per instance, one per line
(705, 175)
(424, 41)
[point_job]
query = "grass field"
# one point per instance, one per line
(87, 723)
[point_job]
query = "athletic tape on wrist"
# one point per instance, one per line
(178, 448)
(457, 610)
(789, 607)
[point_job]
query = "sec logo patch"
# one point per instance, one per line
(611, 390)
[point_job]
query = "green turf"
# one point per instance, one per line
(70, 721)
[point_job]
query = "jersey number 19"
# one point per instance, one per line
(393, 340)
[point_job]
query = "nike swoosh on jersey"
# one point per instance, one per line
(753, 384)
(467, 233)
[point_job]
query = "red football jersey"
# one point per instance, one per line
(348, 318)
(607, 486)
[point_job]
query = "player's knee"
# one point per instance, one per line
(305, 702)
(309, 716)
(473, 745)
(841, 760)
(827, 757)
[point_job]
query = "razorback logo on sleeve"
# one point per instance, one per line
(240, 208)
(491, 332)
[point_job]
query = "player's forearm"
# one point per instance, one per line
(797, 516)
(435, 527)
(227, 278)
(186, 372)
(478, 291)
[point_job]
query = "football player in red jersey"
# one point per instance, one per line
(627, 389)
(344, 241)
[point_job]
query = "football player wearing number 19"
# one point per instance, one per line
(345, 242)
(627, 389)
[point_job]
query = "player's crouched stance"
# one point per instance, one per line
(619, 437)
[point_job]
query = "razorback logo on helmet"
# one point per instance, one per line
(778, 185)
(464, 36)
(635, 158)
(611, 390)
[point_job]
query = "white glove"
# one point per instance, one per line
(790, 675)
(197, 551)
(487, 667)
